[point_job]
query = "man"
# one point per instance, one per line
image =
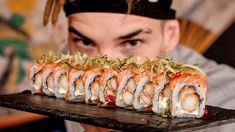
(146, 28)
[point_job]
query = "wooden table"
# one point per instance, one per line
(12, 118)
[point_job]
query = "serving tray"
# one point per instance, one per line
(114, 118)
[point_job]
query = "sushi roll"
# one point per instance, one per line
(76, 86)
(108, 88)
(126, 89)
(162, 96)
(47, 80)
(159, 85)
(144, 93)
(188, 95)
(61, 82)
(92, 86)
(35, 79)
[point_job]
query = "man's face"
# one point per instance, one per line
(116, 35)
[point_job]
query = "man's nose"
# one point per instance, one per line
(107, 50)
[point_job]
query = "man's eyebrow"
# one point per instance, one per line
(135, 33)
(76, 32)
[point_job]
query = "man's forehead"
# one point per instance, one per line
(97, 25)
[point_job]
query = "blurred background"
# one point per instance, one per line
(208, 26)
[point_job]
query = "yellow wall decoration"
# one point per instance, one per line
(21, 6)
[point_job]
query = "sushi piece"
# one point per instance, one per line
(76, 91)
(162, 99)
(35, 79)
(126, 89)
(61, 82)
(126, 82)
(42, 72)
(47, 80)
(162, 96)
(92, 78)
(144, 92)
(92, 86)
(188, 95)
(108, 88)
(76, 86)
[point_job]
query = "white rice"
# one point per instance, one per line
(47, 90)
(177, 111)
(103, 86)
(88, 81)
(119, 101)
(60, 92)
(35, 78)
(158, 89)
(139, 89)
(73, 76)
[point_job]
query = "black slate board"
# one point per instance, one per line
(114, 118)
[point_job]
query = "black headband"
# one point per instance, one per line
(158, 9)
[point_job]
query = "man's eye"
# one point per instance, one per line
(131, 43)
(83, 43)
